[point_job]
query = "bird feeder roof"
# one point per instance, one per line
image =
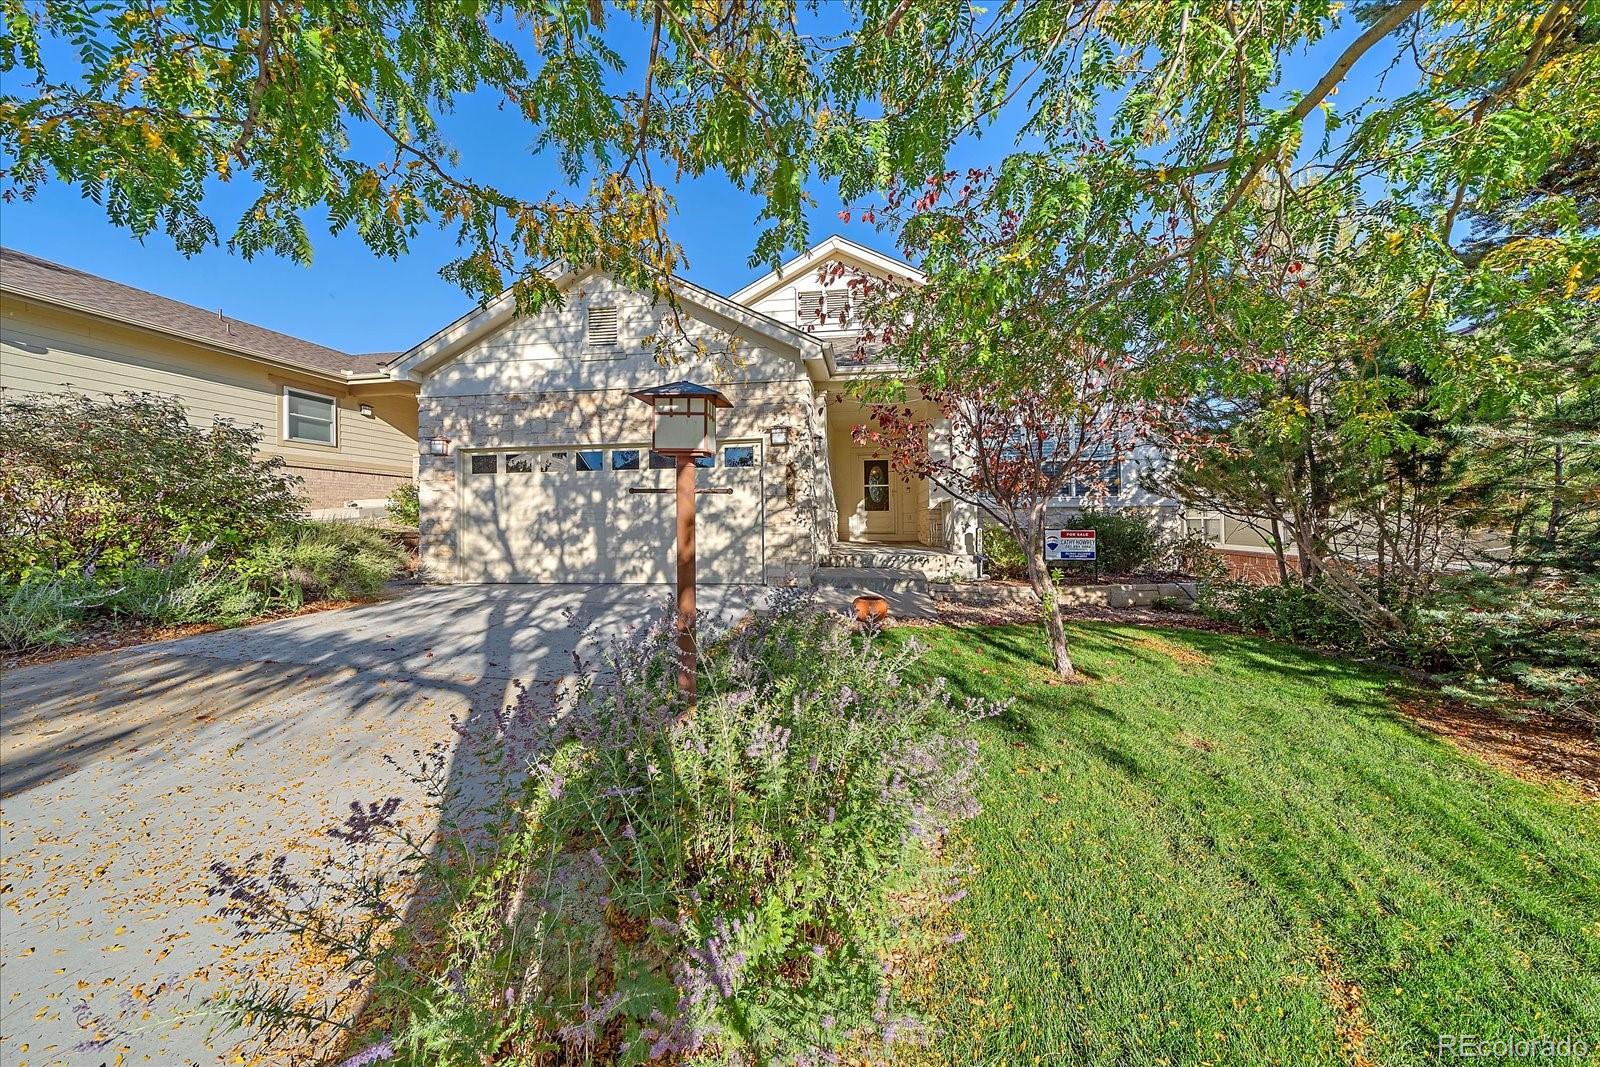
(682, 388)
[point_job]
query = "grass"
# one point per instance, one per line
(1226, 851)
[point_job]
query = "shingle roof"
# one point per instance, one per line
(53, 283)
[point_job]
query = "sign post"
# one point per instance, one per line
(685, 429)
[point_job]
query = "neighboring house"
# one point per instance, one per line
(341, 422)
(546, 474)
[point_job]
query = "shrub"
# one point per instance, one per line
(403, 506)
(320, 561)
(1288, 612)
(1002, 556)
(40, 612)
(1125, 541)
(104, 483)
(730, 888)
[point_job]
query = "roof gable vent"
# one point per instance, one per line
(602, 327)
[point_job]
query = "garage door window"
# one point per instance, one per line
(519, 463)
(486, 463)
(625, 459)
(592, 461)
(705, 461)
(739, 456)
(554, 462)
(659, 462)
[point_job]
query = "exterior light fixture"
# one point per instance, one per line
(437, 446)
(366, 411)
(686, 427)
(778, 436)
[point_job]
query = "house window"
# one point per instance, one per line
(592, 461)
(739, 456)
(310, 417)
(625, 459)
(486, 463)
(875, 478)
(603, 327)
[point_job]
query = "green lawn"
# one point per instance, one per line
(1222, 850)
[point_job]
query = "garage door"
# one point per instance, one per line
(606, 514)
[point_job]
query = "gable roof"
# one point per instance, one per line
(834, 247)
(61, 286)
(433, 352)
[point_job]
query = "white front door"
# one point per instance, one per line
(881, 493)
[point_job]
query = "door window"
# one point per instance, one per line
(875, 476)
(739, 456)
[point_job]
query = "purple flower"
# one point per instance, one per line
(557, 784)
(383, 1050)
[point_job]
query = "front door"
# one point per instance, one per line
(880, 497)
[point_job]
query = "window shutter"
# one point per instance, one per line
(839, 306)
(602, 326)
(811, 310)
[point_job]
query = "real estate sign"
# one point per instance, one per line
(1063, 545)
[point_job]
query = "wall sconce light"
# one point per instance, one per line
(436, 446)
(366, 411)
(778, 436)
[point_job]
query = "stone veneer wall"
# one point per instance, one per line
(601, 417)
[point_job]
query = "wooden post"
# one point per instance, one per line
(688, 660)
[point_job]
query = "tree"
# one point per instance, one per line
(1024, 400)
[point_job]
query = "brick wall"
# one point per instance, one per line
(331, 489)
(1251, 566)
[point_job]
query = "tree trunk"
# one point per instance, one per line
(1049, 602)
(1278, 553)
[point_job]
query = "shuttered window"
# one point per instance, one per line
(602, 327)
(839, 307)
(810, 307)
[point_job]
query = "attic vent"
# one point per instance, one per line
(810, 313)
(602, 327)
(839, 307)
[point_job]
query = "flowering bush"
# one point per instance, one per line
(730, 887)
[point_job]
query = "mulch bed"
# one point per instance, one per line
(108, 637)
(1533, 745)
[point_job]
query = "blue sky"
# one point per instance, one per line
(351, 300)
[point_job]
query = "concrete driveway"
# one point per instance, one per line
(125, 775)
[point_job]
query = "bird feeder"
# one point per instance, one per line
(686, 418)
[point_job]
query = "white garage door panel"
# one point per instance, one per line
(566, 525)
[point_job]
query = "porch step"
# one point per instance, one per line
(921, 562)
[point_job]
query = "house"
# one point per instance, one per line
(536, 464)
(340, 422)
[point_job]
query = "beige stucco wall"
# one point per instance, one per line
(44, 349)
(535, 382)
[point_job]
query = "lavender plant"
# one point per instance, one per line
(727, 889)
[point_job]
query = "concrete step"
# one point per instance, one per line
(880, 580)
